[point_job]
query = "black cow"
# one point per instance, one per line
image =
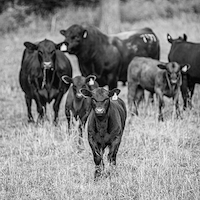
(108, 57)
(164, 79)
(75, 102)
(42, 67)
(106, 124)
(184, 52)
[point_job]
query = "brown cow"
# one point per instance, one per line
(164, 79)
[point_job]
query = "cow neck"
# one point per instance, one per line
(102, 124)
(78, 103)
(44, 81)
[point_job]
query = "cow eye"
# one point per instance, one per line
(40, 52)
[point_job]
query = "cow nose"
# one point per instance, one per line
(99, 110)
(79, 95)
(47, 65)
(173, 81)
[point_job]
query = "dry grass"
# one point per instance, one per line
(155, 160)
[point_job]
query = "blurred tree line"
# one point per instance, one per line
(44, 7)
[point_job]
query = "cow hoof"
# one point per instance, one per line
(31, 121)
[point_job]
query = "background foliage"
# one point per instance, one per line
(22, 13)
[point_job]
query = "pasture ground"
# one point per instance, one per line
(155, 160)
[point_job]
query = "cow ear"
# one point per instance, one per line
(184, 68)
(162, 66)
(114, 91)
(67, 79)
(30, 46)
(185, 37)
(62, 32)
(85, 33)
(169, 38)
(86, 93)
(90, 79)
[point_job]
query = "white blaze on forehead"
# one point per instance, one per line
(63, 47)
(91, 82)
(115, 97)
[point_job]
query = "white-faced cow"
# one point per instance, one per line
(42, 67)
(76, 102)
(108, 56)
(106, 124)
(184, 52)
(164, 79)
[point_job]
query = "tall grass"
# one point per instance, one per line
(156, 160)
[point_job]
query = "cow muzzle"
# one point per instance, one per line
(99, 111)
(79, 95)
(47, 65)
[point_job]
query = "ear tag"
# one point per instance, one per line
(63, 47)
(184, 69)
(91, 82)
(85, 34)
(115, 97)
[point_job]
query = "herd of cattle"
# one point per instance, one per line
(133, 57)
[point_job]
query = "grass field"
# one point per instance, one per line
(155, 160)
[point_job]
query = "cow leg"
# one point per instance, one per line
(139, 95)
(176, 104)
(161, 104)
(56, 106)
(68, 116)
(98, 157)
(132, 88)
(40, 108)
(191, 86)
(28, 104)
(112, 81)
(184, 91)
(113, 149)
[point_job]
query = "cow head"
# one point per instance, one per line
(80, 82)
(74, 37)
(174, 70)
(46, 51)
(179, 39)
(100, 99)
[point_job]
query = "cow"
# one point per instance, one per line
(75, 102)
(108, 56)
(184, 52)
(42, 67)
(105, 125)
(164, 79)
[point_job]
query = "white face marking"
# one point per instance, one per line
(91, 82)
(115, 97)
(63, 47)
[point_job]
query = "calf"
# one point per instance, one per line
(75, 102)
(106, 124)
(164, 79)
(184, 52)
